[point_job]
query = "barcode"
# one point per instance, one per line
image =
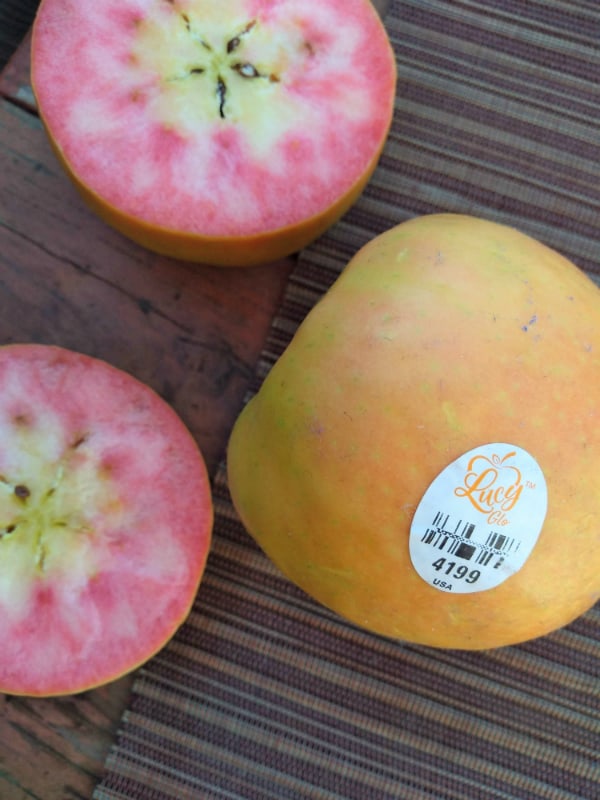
(456, 538)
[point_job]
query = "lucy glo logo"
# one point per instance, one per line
(493, 485)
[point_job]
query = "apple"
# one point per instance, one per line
(105, 521)
(232, 132)
(424, 458)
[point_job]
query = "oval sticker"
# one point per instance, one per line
(479, 520)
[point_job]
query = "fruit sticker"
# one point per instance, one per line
(479, 520)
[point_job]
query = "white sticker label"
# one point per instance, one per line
(479, 520)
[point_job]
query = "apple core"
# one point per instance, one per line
(230, 132)
(105, 521)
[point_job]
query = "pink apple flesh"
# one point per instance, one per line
(105, 521)
(216, 121)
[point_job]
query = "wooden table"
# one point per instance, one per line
(192, 332)
(517, 719)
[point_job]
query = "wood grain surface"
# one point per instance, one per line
(194, 333)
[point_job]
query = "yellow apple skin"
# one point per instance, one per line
(445, 333)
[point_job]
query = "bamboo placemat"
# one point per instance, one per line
(263, 694)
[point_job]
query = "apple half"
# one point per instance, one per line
(105, 521)
(230, 132)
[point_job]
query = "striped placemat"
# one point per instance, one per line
(263, 694)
